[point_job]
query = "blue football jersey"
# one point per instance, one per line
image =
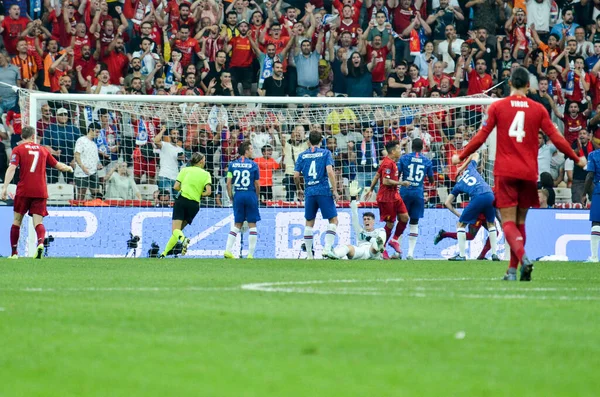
(471, 182)
(312, 164)
(594, 166)
(243, 172)
(414, 167)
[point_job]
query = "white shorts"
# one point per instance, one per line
(363, 252)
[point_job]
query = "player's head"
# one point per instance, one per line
(417, 145)
(369, 221)
(393, 149)
(27, 133)
(245, 149)
(197, 159)
(315, 138)
(519, 78)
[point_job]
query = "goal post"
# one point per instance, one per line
(226, 121)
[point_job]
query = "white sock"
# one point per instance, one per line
(595, 239)
(492, 234)
(233, 232)
(461, 236)
(330, 236)
(308, 241)
(413, 234)
(341, 251)
(252, 240)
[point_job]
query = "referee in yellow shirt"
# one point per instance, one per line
(192, 183)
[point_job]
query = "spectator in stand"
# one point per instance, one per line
(214, 70)
(14, 125)
(11, 28)
(188, 46)
(487, 13)
(419, 83)
(241, 59)
(267, 59)
(545, 153)
(275, 85)
(84, 66)
(358, 75)
(61, 138)
(538, 17)
(266, 165)
(425, 58)
(380, 51)
(45, 120)
(291, 150)
(120, 184)
(368, 156)
(144, 155)
(26, 63)
(576, 175)
(444, 16)
(399, 83)
(574, 121)
(9, 74)
(486, 49)
(170, 156)
(568, 26)
(448, 49)
(479, 83)
(543, 197)
(336, 59)
(307, 66)
(116, 61)
(202, 144)
(402, 13)
(87, 163)
(379, 26)
(325, 77)
(104, 86)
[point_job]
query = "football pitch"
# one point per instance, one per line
(123, 327)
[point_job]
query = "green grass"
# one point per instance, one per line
(186, 327)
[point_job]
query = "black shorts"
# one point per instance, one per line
(185, 209)
(90, 181)
(242, 75)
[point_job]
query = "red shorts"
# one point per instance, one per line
(142, 166)
(389, 211)
(33, 205)
(513, 192)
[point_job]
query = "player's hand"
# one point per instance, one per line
(368, 194)
(354, 189)
(405, 183)
(455, 159)
(69, 169)
(336, 195)
(582, 162)
(300, 194)
(4, 194)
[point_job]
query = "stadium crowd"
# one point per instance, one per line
(393, 48)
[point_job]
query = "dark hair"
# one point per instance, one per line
(580, 57)
(519, 78)
(391, 145)
(185, 26)
(543, 78)
(315, 137)
(102, 111)
(417, 145)
(356, 71)
(27, 132)
(231, 13)
(564, 11)
(380, 12)
(196, 158)
(184, 4)
(369, 215)
(555, 36)
(94, 126)
(244, 146)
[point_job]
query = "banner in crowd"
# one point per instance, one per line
(104, 232)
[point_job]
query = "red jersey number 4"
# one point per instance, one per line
(517, 127)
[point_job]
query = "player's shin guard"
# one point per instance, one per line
(388, 232)
(233, 232)
(14, 238)
(308, 241)
(330, 236)
(514, 261)
(515, 240)
(521, 228)
(175, 237)
(595, 239)
(412, 239)
(252, 238)
(341, 251)
(461, 236)
(492, 235)
(40, 231)
(400, 226)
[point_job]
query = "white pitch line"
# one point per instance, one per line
(121, 289)
(2, 309)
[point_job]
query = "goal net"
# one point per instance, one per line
(145, 140)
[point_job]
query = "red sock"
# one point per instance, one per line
(521, 228)
(485, 249)
(14, 238)
(514, 262)
(40, 230)
(400, 226)
(515, 240)
(388, 232)
(451, 235)
(470, 236)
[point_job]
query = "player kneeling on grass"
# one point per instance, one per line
(192, 183)
(370, 242)
(469, 181)
(32, 192)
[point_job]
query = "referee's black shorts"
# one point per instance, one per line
(185, 209)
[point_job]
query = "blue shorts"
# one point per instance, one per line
(482, 204)
(415, 204)
(324, 203)
(245, 207)
(595, 209)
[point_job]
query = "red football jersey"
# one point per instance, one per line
(517, 120)
(572, 126)
(388, 170)
(32, 159)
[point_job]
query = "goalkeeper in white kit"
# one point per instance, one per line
(370, 242)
